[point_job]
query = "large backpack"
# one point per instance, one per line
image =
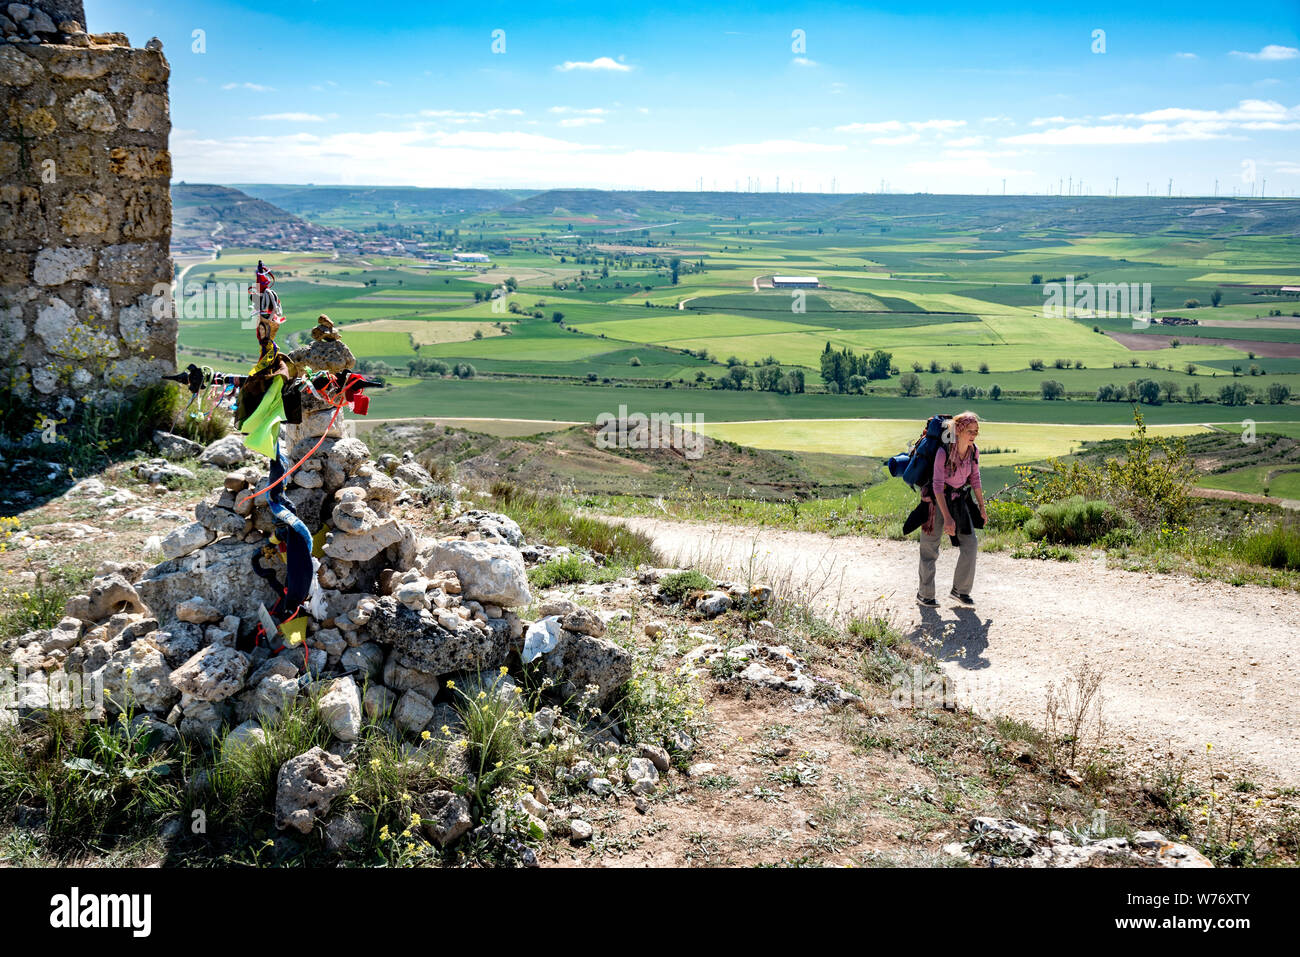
(916, 465)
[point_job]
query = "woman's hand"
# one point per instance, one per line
(949, 527)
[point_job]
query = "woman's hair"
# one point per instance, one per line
(963, 421)
(960, 423)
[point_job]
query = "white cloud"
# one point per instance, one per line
(1058, 120)
(592, 111)
(803, 61)
(461, 116)
(582, 120)
(902, 140)
(1273, 51)
(298, 117)
(505, 140)
(964, 141)
(1079, 135)
(1166, 125)
(255, 87)
(883, 126)
(894, 126)
(783, 147)
(1186, 56)
(600, 63)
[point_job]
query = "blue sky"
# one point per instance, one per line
(937, 97)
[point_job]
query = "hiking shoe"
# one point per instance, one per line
(927, 602)
(964, 599)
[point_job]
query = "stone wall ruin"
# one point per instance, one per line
(85, 207)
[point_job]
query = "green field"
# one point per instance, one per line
(884, 437)
(553, 401)
(922, 280)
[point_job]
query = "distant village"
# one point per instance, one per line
(296, 235)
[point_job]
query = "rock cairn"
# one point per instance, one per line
(396, 616)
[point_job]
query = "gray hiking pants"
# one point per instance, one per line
(963, 578)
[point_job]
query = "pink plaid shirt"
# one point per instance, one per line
(965, 471)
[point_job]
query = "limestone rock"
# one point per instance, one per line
(583, 621)
(245, 735)
(219, 572)
(656, 756)
(226, 453)
(269, 699)
(363, 545)
(579, 660)
(488, 571)
(378, 702)
(492, 526)
(413, 712)
(343, 832)
(444, 816)
(198, 610)
(419, 641)
(340, 707)
(109, 595)
(212, 675)
(305, 787)
(138, 677)
(366, 659)
(402, 678)
(175, 446)
(326, 355)
(59, 264)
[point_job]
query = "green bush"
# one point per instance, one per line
(1279, 547)
(1151, 482)
(1004, 516)
(1075, 521)
(680, 584)
(565, 570)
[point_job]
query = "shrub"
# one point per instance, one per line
(1004, 516)
(1075, 521)
(678, 585)
(1279, 547)
(1151, 483)
(1036, 365)
(564, 570)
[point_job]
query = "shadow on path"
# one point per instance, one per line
(962, 641)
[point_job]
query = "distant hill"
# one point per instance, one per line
(230, 217)
(339, 204)
(197, 208)
(1080, 214)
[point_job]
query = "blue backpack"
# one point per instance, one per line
(916, 465)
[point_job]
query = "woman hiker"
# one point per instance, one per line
(956, 480)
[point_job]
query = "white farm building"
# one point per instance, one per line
(795, 282)
(472, 258)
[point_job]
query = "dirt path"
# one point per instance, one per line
(1187, 662)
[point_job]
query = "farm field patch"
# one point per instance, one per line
(884, 437)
